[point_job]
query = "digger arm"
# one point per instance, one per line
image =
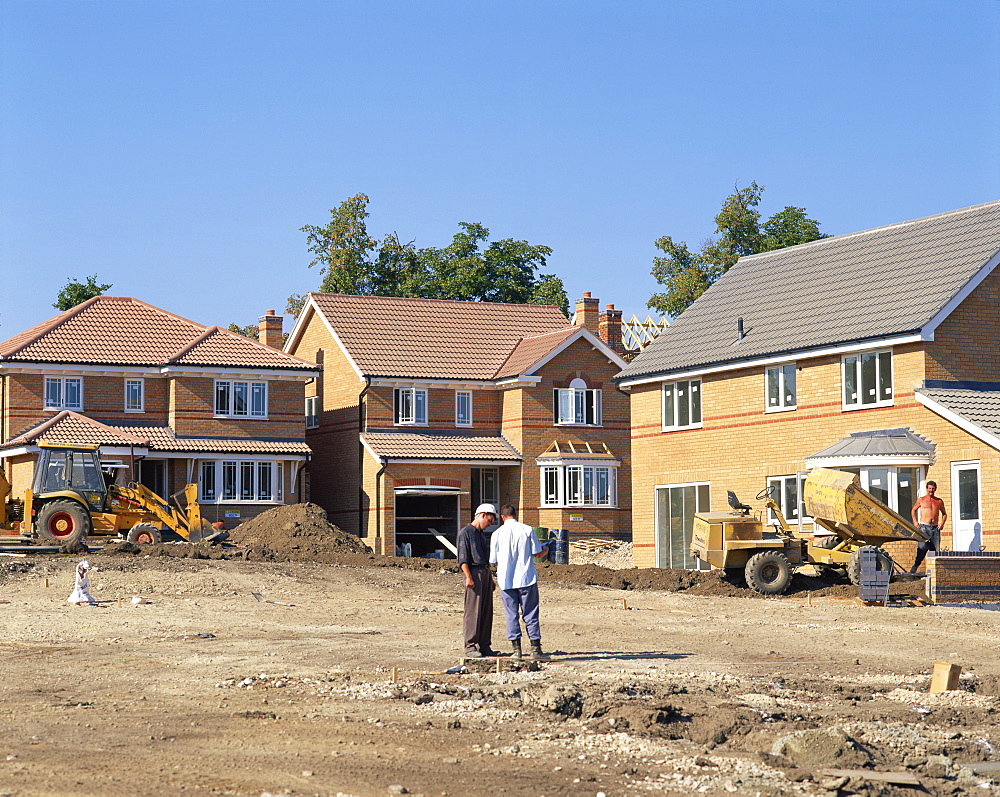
(183, 520)
(770, 504)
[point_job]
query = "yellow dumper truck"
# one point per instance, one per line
(73, 496)
(769, 554)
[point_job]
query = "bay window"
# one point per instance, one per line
(578, 485)
(241, 481)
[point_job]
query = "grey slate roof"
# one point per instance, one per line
(867, 285)
(978, 403)
(878, 443)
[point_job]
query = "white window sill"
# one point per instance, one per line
(241, 417)
(397, 423)
(60, 409)
(591, 425)
(854, 407)
(135, 412)
(463, 425)
(781, 409)
(680, 428)
(578, 506)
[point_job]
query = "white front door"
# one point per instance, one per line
(966, 515)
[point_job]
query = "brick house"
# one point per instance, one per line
(427, 407)
(874, 352)
(173, 401)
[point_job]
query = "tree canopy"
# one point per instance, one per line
(471, 267)
(686, 275)
(75, 292)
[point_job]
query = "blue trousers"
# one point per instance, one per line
(523, 601)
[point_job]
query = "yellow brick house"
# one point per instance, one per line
(874, 352)
(426, 408)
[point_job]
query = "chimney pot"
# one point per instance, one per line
(611, 307)
(269, 312)
(586, 294)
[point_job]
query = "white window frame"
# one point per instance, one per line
(460, 396)
(664, 557)
(142, 395)
(575, 484)
(57, 399)
(672, 407)
(855, 401)
(577, 405)
(312, 412)
(254, 399)
(216, 476)
(779, 499)
(778, 375)
(413, 415)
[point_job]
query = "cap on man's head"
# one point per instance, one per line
(486, 509)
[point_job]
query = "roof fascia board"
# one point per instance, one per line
(514, 381)
(962, 423)
(15, 367)
(495, 463)
(877, 460)
(417, 381)
(961, 296)
(877, 343)
(19, 451)
(237, 372)
(371, 451)
(153, 453)
(300, 325)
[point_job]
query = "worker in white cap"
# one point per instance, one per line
(474, 562)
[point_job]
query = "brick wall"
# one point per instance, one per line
(740, 445)
(192, 411)
(973, 577)
(964, 345)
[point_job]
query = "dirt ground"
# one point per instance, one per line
(662, 682)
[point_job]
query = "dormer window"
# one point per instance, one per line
(577, 405)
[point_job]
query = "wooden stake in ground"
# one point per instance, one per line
(945, 677)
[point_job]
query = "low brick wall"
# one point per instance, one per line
(963, 576)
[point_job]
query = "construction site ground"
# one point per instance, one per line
(335, 682)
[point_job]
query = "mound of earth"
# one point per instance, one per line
(296, 532)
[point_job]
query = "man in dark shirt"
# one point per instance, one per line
(474, 562)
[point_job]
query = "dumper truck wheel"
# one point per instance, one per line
(144, 532)
(769, 573)
(882, 562)
(63, 522)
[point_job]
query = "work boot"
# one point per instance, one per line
(515, 645)
(536, 651)
(472, 653)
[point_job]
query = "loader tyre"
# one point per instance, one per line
(64, 522)
(769, 573)
(882, 562)
(144, 533)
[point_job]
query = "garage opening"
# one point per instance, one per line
(427, 521)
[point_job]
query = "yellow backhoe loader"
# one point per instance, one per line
(768, 555)
(73, 496)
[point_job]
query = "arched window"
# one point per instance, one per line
(577, 405)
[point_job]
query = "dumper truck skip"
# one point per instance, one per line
(769, 554)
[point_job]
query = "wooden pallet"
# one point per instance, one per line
(592, 544)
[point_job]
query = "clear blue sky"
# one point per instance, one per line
(175, 147)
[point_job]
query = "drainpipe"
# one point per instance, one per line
(361, 454)
(378, 499)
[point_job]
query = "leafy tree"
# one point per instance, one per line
(75, 292)
(686, 275)
(470, 268)
(251, 331)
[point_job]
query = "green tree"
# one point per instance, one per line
(471, 267)
(251, 331)
(75, 292)
(686, 275)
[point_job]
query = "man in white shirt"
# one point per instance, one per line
(513, 548)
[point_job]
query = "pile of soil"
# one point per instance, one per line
(297, 532)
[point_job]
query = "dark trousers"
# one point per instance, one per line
(933, 534)
(477, 622)
(523, 600)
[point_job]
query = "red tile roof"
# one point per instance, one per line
(120, 330)
(528, 351)
(70, 428)
(441, 339)
(433, 444)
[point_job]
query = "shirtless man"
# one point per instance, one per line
(929, 515)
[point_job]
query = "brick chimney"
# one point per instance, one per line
(270, 329)
(611, 329)
(587, 310)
